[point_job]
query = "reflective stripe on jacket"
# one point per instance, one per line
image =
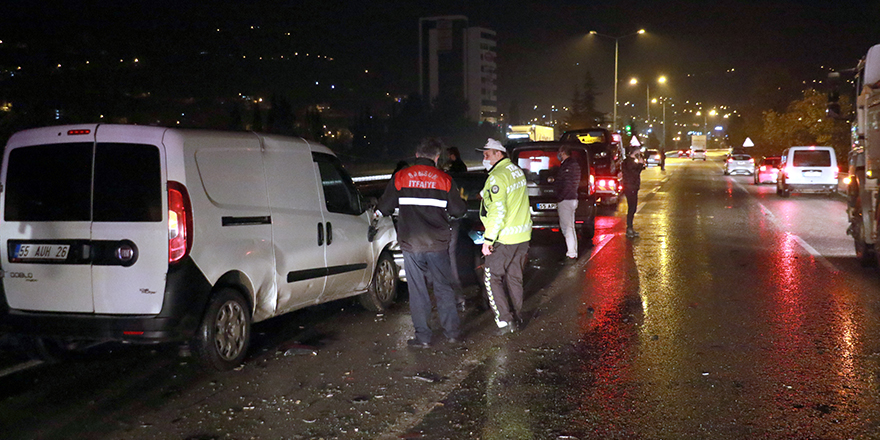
(426, 197)
(505, 207)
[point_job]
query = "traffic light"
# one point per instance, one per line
(628, 129)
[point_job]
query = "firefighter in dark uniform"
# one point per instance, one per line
(426, 197)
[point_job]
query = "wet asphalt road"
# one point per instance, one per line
(736, 315)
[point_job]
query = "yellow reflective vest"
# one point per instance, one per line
(505, 207)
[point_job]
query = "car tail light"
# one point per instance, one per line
(730, 159)
(592, 184)
(763, 167)
(180, 225)
(836, 173)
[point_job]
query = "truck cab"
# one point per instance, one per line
(864, 155)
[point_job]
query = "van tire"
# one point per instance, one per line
(224, 334)
(383, 287)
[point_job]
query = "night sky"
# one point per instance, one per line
(717, 52)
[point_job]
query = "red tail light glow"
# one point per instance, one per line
(179, 222)
(76, 132)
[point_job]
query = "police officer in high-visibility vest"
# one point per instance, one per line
(508, 228)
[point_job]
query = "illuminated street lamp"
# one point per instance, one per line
(706, 123)
(616, 51)
(660, 80)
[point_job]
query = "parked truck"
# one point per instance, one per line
(864, 154)
(526, 133)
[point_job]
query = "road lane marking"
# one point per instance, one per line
(817, 256)
(22, 366)
(810, 249)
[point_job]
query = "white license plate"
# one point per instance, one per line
(544, 206)
(41, 251)
(812, 173)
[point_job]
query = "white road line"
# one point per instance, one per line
(810, 249)
(22, 366)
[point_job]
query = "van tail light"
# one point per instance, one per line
(592, 184)
(180, 225)
(836, 173)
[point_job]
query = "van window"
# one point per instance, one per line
(128, 185)
(340, 194)
(540, 165)
(811, 158)
(49, 183)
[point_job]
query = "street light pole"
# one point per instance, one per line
(616, 56)
(614, 119)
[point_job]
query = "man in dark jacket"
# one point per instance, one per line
(456, 165)
(426, 197)
(632, 180)
(567, 180)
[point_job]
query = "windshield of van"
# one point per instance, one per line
(811, 158)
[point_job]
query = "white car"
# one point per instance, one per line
(739, 164)
(698, 154)
(149, 234)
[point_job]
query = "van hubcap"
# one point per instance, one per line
(230, 330)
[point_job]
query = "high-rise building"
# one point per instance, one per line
(458, 61)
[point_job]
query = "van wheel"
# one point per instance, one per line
(380, 295)
(222, 341)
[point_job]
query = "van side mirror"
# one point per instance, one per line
(368, 204)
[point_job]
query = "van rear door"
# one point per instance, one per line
(130, 221)
(83, 220)
(46, 206)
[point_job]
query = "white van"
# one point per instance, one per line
(807, 169)
(150, 234)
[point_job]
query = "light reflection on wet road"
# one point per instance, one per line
(737, 314)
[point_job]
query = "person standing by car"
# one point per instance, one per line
(456, 165)
(632, 180)
(426, 197)
(504, 212)
(568, 178)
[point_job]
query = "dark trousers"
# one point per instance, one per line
(454, 226)
(504, 268)
(632, 202)
(419, 266)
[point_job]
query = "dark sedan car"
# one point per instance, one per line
(540, 163)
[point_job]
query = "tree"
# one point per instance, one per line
(804, 123)
(583, 113)
(315, 125)
(280, 118)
